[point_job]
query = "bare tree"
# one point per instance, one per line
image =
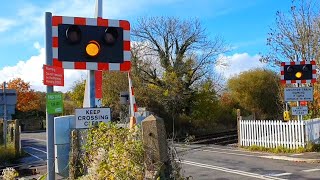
(296, 33)
(167, 44)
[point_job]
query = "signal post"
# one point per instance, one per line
(93, 44)
(301, 72)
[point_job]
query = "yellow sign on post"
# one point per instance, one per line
(286, 115)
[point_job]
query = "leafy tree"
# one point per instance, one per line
(257, 91)
(296, 33)
(77, 93)
(27, 99)
(172, 57)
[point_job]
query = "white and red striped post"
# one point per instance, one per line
(133, 105)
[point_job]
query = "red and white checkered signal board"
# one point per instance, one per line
(125, 25)
(314, 72)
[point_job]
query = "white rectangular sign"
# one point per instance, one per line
(88, 117)
(298, 94)
(300, 110)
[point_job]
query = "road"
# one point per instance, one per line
(222, 163)
(209, 162)
(34, 144)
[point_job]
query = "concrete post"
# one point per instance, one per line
(156, 148)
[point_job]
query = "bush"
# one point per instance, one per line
(114, 153)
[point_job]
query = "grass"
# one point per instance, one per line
(310, 147)
(7, 155)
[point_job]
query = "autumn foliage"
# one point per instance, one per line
(27, 99)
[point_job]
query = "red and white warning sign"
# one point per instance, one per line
(53, 76)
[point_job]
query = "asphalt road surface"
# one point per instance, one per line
(224, 163)
(208, 162)
(34, 144)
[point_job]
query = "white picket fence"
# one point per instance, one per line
(274, 133)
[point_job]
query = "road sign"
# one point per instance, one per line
(53, 76)
(298, 94)
(11, 97)
(300, 110)
(10, 109)
(286, 115)
(88, 117)
(54, 103)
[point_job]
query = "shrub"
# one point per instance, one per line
(114, 153)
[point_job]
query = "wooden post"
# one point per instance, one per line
(238, 126)
(156, 148)
(17, 143)
(74, 150)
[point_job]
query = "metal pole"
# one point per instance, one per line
(298, 103)
(91, 73)
(4, 116)
(49, 118)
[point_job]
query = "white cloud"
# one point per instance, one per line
(31, 71)
(232, 65)
(5, 24)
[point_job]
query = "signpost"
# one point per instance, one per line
(53, 76)
(88, 117)
(299, 110)
(298, 94)
(54, 103)
(8, 101)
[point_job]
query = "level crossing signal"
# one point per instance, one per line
(91, 43)
(298, 72)
(85, 43)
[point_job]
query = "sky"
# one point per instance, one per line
(243, 24)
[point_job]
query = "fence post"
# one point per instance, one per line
(238, 126)
(74, 159)
(156, 148)
(17, 144)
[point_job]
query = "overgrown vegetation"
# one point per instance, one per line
(114, 153)
(118, 153)
(7, 155)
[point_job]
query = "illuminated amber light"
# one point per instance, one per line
(298, 75)
(93, 48)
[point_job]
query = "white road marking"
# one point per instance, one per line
(35, 156)
(281, 174)
(311, 170)
(243, 173)
(220, 152)
(35, 149)
(247, 155)
(34, 139)
(228, 149)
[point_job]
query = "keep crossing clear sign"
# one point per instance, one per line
(300, 110)
(88, 117)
